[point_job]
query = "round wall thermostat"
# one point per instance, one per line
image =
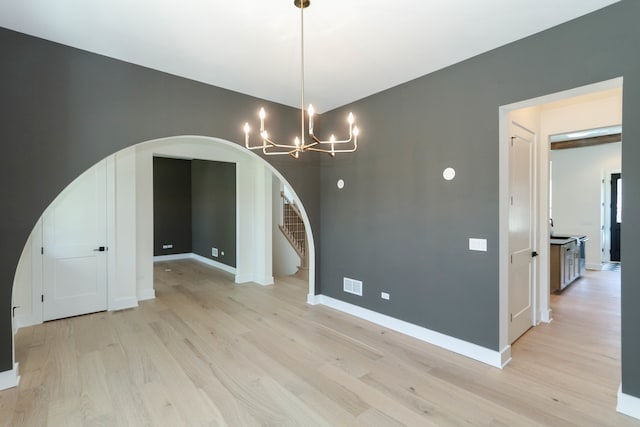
(340, 184)
(449, 174)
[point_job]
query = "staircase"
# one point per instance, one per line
(293, 229)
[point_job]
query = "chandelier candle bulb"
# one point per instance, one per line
(262, 115)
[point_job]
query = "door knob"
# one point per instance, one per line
(100, 249)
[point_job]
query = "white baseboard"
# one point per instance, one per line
(123, 303)
(545, 316)
(146, 294)
(9, 379)
(596, 267)
(482, 354)
(173, 257)
(505, 357)
(264, 281)
(212, 263)
(25, 321)
(243, 279)
(628, 405)
(196, 257)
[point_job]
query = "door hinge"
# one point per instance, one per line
(42, 298)
(512, 317)
(511, 259)
(511, 200)
(41, 250)
(13, 310)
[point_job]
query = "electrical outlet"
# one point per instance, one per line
(384, 295)
(214, 252)
(167, 246)
(221, 253)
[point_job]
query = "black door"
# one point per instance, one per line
(616, 215)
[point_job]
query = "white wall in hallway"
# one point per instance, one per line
(584, 112)
(577, 192)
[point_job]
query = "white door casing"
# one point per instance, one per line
(74, 267)
(521, 230)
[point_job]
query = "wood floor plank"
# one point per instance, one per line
(208, 352)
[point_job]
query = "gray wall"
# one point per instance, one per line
(213, 186)
(399, 227)
(64, 109)
(171, 206)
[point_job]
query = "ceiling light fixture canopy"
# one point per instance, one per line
(332, 146)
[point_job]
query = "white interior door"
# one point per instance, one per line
(521, 230)
(74, 238)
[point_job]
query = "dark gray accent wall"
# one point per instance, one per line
(64, 109)
(396, 225)
(214, 210)
(171, 206)
(399, 227)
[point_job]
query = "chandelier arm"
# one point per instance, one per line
(276, 153)
(307, 146)
(276, 145)
(327, 151)
(342, 141)
(255, 147)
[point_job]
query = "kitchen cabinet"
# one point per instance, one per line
(566, 264)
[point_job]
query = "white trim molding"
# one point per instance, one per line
(25, 321)
(264, 281)
(212, 263)
(546, 316)
(628, 405)
(497, 359)
(200, 258)
(174, 257)
(123, 303)
(146, 294)
(9, 379)
(596, 267)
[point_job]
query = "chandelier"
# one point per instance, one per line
(332, 146)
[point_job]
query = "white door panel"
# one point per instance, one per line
(74, 229)
(521, 230)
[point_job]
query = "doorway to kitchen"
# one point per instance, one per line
(585, 108)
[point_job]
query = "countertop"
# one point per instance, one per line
(563, 239)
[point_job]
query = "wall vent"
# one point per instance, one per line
(352, 286)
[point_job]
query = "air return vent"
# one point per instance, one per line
(352, 286)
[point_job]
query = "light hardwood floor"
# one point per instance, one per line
(207, 352)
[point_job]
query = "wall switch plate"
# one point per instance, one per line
(221, 253)
(167, 246)
(478, 245)
(384, 295)
(214, 252)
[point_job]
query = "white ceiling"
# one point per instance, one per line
(353, 48)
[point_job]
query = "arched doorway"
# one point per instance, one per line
(130, 182)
